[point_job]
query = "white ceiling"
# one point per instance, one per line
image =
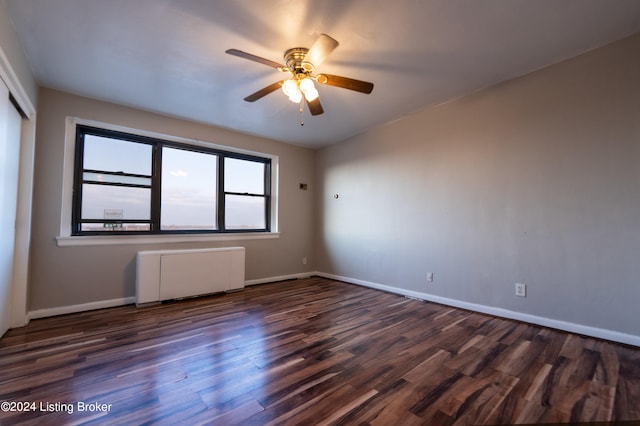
(167, 56)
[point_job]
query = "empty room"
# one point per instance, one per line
(334, 212)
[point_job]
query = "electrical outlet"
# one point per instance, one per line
(521, 290)
(304, 260)
(430, 277)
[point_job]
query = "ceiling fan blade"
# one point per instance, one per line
(323, 46)
(345, 83)
(264, 91)
(254, 58)
(315, 107)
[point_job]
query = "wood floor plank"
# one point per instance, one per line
(311, 351)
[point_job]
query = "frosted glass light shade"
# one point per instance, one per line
(306, 85)
(311, 95)
(296, 96)
(289, 87)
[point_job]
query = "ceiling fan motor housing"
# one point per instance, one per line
(294, 58)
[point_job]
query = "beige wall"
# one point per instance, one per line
(11, 48)
(65, 276)
(536, 180)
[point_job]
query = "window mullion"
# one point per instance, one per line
(267, 195)
(246, 194)
(221, 194)
(156, 187)
(76, 213)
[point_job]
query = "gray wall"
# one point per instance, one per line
(536, 180)
(64, 276)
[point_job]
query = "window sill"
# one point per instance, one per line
(106, 240)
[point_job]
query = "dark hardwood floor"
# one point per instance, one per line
(310, 351)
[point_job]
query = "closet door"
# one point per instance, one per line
(10, 122)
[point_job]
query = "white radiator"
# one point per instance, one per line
(174, 274)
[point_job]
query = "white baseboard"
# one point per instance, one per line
(280, 278)
(586, 330)
(62, 310)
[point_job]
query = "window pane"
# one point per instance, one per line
(244, 212)
(115, 202)
(114, 155)
(243, 176)
(189, 182)
(101, 177)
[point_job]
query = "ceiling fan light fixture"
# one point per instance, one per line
(290, 87)
(295, 97)
(306, 85)
(301, 63)
(311, 95)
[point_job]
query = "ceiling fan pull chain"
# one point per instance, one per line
(302, 112)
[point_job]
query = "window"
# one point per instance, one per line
(189, 190)
(131, 184)
(244, 194)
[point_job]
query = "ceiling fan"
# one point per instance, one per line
(301, 62)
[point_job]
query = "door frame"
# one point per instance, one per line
(20, 285)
